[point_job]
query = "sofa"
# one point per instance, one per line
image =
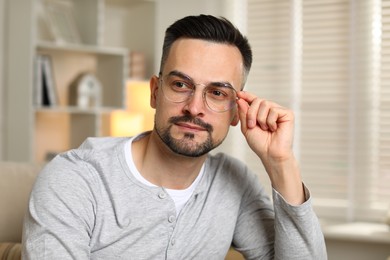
(16, 180)
(16, 183)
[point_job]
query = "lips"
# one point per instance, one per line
(191, 123)
(191, 126)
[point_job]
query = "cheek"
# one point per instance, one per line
(221, 126)
(224, 122)
(160, 114)
(164, 110)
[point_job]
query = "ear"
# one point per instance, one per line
(153, 91)
(235, 119)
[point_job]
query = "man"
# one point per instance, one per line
(161, 195)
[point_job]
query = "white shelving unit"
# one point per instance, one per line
(108, 29)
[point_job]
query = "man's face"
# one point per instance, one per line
(191, 128)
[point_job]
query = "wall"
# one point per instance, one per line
(124, 20)
(18, 73)
(2, 22)
(356, 250)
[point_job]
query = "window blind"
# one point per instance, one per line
(382, 192)
(328, 60)
(325, 103)
(269, 33)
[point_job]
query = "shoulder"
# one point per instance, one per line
(227, 163)
(223, 158)
(101, 143)
(81, 164)
(230, 169)
(234, 174)
(96, 149)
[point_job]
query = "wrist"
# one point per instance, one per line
(286, 179)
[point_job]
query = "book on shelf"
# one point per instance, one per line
(45, 93)
(37, 94)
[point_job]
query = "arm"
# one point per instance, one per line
(268, 129)
(60, 215)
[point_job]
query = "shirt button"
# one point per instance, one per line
(171, 219)
(162, 195)
(173, 241)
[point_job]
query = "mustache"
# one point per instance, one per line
(192, 120)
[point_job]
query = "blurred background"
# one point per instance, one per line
(70, 69)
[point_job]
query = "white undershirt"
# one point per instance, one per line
(180, 197)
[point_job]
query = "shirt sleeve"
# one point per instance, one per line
(298, 233)
(279, 232)
(60, 215)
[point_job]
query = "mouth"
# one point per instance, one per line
(191, 124)
(190, 127)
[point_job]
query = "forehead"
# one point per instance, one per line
(206, 61)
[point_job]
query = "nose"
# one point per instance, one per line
(195, 104)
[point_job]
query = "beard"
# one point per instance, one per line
(187, 145)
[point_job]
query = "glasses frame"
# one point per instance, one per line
(194, 85)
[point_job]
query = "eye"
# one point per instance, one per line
(179, 84)
(218, 93)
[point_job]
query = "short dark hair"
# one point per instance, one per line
(209, 28)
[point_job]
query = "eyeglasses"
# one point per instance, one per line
(218, 96)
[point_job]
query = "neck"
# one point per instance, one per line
(162, 167)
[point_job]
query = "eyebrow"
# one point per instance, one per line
(180, 75)
(186, 77)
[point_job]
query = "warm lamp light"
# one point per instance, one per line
(138, 116)
(124, 123)
(138, 101)
(138, 96)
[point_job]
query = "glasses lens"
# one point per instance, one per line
(220, 98)
(177, 89)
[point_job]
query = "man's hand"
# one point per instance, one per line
(269, 131)
(267, 127)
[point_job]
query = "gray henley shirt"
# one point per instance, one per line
(86, 204)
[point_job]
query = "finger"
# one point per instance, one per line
(260, 112)
(264, 116)
(247, 96)
(265, 113)
(254, 103)
(278, 116)
(272, 119)
(257, 114)
(243, 107)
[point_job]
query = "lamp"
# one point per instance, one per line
(138, 116)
